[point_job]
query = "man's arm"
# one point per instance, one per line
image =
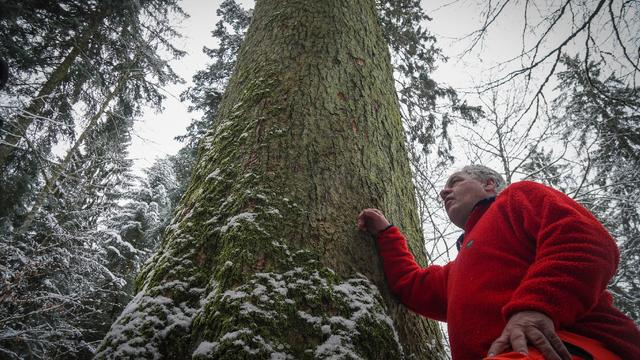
(423, 290)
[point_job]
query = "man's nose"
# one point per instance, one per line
(444, 192)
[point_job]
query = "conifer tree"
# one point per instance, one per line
(61, 292)
(79, 52)
(81, 80)
(262, 257)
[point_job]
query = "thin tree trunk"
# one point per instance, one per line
(25, 118)
(262, 259)
(58, 169)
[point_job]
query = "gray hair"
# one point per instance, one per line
(484, 173)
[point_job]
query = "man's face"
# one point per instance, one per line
(461, 193)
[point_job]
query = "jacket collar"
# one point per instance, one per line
(476, 213)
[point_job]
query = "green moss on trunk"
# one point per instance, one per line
(263, 259)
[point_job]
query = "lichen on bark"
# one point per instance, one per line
(262, 258)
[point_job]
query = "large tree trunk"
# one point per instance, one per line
(263, 259)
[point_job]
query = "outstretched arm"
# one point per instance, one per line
(423, 290)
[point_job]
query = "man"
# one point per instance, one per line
(530, 278)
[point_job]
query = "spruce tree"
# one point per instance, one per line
(262, 257)
(78, 55)
(81, 83)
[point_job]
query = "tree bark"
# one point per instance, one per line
(263, 259)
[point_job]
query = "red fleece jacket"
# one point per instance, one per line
(533, 248)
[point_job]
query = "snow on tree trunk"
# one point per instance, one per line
(263, 259)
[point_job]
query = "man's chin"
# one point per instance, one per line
(452, 219)
(451, 213)
(450, 209)
(448, 205)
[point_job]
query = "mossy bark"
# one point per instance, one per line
(263, 259)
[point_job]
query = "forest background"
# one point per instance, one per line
(545, 91)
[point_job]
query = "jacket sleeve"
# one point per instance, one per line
(423, 290)
(575, 257)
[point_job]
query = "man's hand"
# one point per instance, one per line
(372, 221)
(534, 328)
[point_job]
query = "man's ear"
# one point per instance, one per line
(490, 186)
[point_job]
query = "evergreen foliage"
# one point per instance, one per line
(67, 279)
(81, 73)
(69, 61)
(428, 107)
(209, 84)
(60, 292)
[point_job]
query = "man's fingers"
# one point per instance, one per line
(540, 342)
(363, 218)
(518, 342)
(557, 344)
(366, 213)
(533, 328)
(499, 346)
